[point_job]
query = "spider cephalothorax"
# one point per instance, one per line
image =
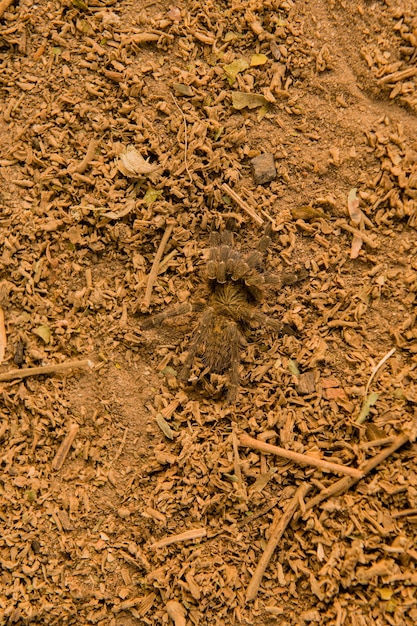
(236, 285)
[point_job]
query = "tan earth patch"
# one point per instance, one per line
(123, 142)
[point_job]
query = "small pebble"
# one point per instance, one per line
(263, 168)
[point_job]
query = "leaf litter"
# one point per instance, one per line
(106, 519)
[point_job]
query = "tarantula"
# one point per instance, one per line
(236, 285)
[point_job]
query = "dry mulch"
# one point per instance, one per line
(127, 131)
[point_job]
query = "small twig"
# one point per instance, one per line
(274, 538)
(89, 156)
(155, 266)
(377, 368)
(120, 450)
(360, 233)
(261, 211)
(344, 484)
(396, 76)
(404, 513)
(64, 448)
(304, 459)
(374, 443)
(45, 369)
(243, 205)
(195, 533)
(4, 5)
(185, 137)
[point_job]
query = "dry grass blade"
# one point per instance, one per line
(155, 266)
(195, 533)
(377, 368)
(185, 137)
(44, 370)
(64, 448)
(303, 459)
(276, 535)
(243, 205)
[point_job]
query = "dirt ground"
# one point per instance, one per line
(127, 131)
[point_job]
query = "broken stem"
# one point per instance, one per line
(44, 369)
(344, 484)
(155, 266)
(274, 538)
(64, 448)
(304, 459)
(243, 205)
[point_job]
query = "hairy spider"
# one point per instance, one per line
(236, 285)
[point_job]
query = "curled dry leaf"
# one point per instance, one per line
(44, 332)
(234, 68)
(243, 100)
(132, 164)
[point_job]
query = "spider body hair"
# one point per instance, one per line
(236, 284)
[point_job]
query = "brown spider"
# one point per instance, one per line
(236, 285)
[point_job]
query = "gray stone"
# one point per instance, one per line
(263, 168)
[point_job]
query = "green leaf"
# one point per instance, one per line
(218, 132)
(151, 195)
(366, 405)
(242, 100)
(80, 4)
(234, 68)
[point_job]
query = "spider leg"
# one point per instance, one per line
(198, 338)
(252, 315)
(234, 340)
(174, 311)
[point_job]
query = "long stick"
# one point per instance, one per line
(304, 459)
(276, 535)
(44, 369)
(347, 482)
(155, 266)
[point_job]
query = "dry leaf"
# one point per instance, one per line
(258, 59)
(132, 164)
(44, 332)
(182, 90)
(242, 100)
(164, 426)
(234, 68)
(307, 213)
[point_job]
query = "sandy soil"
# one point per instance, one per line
(127, 131)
